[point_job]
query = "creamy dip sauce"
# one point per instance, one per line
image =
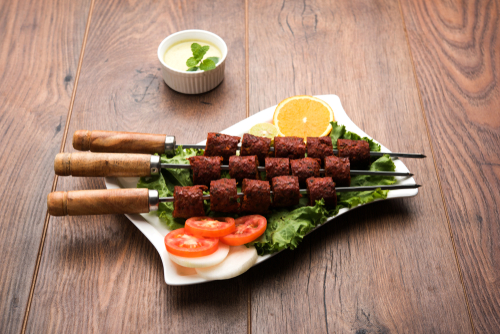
(177, 55)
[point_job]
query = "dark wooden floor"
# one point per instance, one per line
(418, 75)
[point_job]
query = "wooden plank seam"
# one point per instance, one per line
(54, 183)
(436, 169)
(246, 61)
(247, 86)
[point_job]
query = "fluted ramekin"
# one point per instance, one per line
(192, 82)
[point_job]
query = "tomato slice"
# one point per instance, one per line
(180, 243)
(210, 227)
(248, 228)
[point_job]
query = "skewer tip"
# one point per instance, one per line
(410, 174)
(418, 185)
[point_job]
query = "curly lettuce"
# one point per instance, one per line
(285, 228)
(167, 180)
(339, 132)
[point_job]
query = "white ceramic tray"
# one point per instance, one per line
(155, 230)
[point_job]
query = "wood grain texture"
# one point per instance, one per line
(102, 164)
(456, 51)
(100, 274)
(98, 202)
(118, 142)
(40, 45)
(387, 267)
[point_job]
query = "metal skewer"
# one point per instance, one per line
(395, 154)
(128, 165)
(136, 200)
(263, 169)
(336, 152)
(338, 189)
(131, 142)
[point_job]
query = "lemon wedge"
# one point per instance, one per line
(264, 130)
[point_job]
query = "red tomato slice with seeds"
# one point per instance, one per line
(210, 227)
(180, 243)
(248, 228)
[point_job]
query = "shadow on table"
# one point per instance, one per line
(370, 221)
(128, 260)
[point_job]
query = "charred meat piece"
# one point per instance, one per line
(358, 152)
(205, 169)
(256, 196)
(319, 147)
(322, 187)
(244, 167)
(253, 145)
(277, 167)
(289, 147)
(219, 145)
(339, 169)
(188, 201)
(285, 191)
(224, 196)
(305, 168)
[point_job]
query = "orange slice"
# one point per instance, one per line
(303, 116)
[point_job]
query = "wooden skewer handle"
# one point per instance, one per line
(98, 202)
(104, 164)
(118, 142)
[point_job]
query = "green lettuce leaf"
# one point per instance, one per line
(179, 176)
(165, 210)
(354, 198)
(285, 228)
(166, 181)
(339, 132)
(155, 183)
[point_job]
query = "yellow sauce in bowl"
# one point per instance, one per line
(177, 55)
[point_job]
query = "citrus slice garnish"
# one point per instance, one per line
(264, 130)
(303, 116)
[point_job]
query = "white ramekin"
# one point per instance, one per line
(192, 82)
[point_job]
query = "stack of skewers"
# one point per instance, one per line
(286, 165)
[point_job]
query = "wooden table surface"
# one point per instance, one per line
(418, 75)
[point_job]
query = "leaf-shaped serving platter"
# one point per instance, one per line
(155, 230)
